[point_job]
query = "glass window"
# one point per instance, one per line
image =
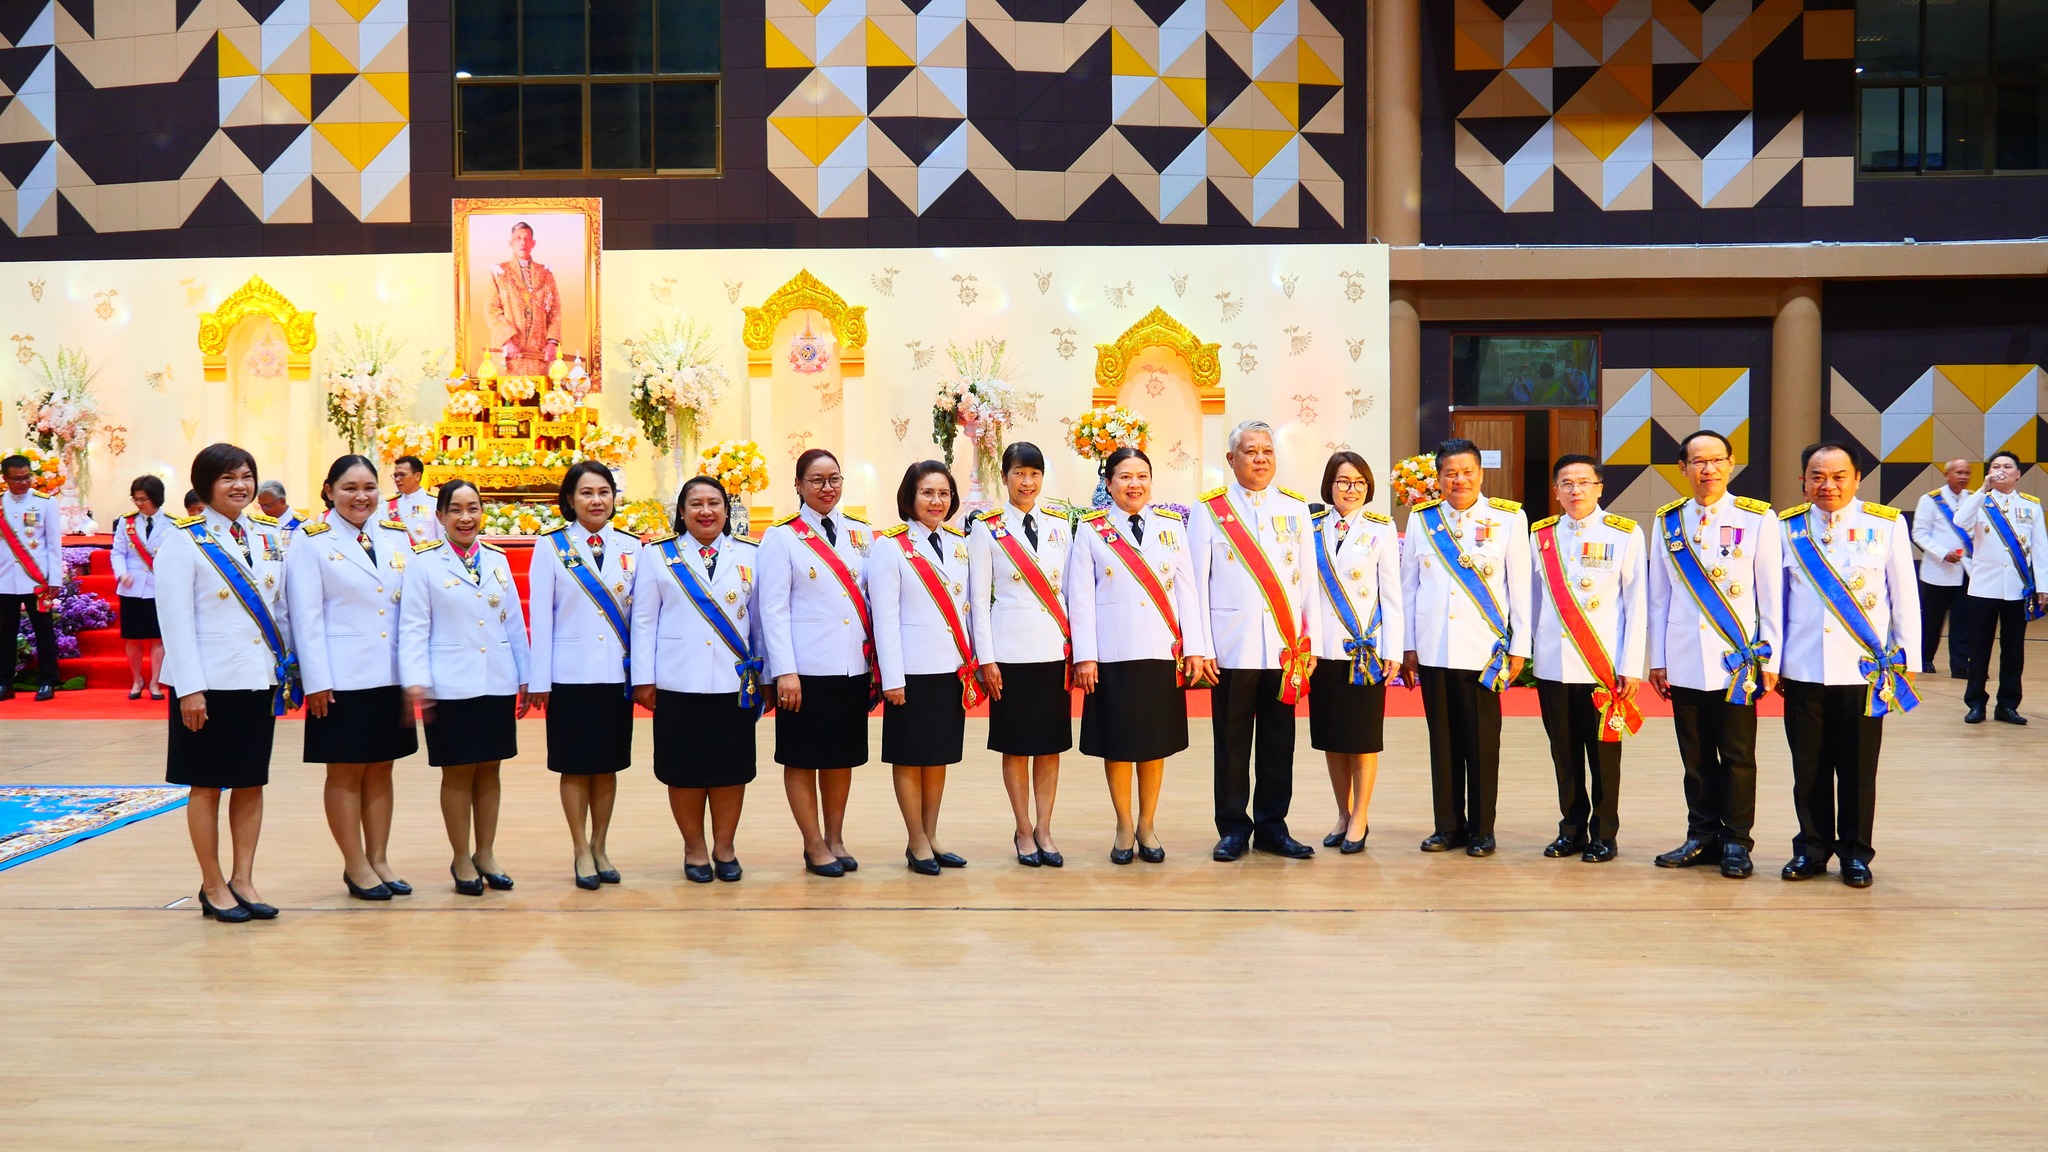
(686, 127)
(1955, 128)
(490, 128)
(2022, 126)
(620, 116)
(2021, 39)
(1888, 38)
(551, 126)
(689, 36)
(622, 37)
(489, 44)
(551, 35)
(1958, 39)
(1883, 147)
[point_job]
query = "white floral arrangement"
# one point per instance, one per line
(464, 407)
(61, 414)
(365, 386)
(555, 404)
(561, 458)
(499, 458)
(675, 377)
(976, 399)
(610, 444)
(737, 464)
(517, 389)
(521, 519)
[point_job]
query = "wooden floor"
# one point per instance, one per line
(1389, 1000)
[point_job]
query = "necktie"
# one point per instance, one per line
(710, 556)
(369, 549)
(831, 533)
(148, 527)
(241, 541)
(1031, 531)
(597, 550)
(1138, 527)
(934, 538)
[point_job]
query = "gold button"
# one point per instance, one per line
(380, 590)
(385, 635)
(481, 649)
(846, 621)
(380, 611)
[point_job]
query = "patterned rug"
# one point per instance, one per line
(37, 819)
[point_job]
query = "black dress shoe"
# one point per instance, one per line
(1125, 855)
(587, 883)
(256, 908)
(921, 867)
(466, 887)
(1330, 841)
(373, 892)
(1051, 859)
(1230, 848)
(609, 875)
(1027, 859)
(135, 693)
(398, 887)
(232, 915)
(156, 694)
(1564, 846)
(1803, 867)
(1691, 854)
(950, 860)
(1856, 874)
(1282, 845)
(1974, 715)
(1480, 846)
(848, 863)
(694, 873)
(498, 880)
(1152, 855)
(6, 691)
(1927, 669)
(1352, 847)
(727, 870)
(49, 692)
(1735, 862)
(834, 869)
(2008, 716)
(1599, 852)
(1438, 842)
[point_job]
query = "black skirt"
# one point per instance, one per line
(364, 726)
(1035, 717)
(1343, 717)
(830, 728)
(138, 619)
(703, 739)
(231, 750)
(590, 729)
(473, 730)
(930, 726)
(1136, 712)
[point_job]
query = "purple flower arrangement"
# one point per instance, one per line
(76, 611)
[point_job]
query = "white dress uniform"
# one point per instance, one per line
(1605, 569)
(814, 630)
(1996, 600)
(1740, 547)
(915, 647)
(416, 512)
(1014, 628)
(1365, 557)
(1453, 643)
(38, 526)
(345, 626)
(1942, 584)
(577, 657)
(1834, 745)
(703, 738)
(133, 578)
(462, 638)
(1138, 711)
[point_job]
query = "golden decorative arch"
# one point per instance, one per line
(257, 298)
(1159, 330)
(806, 293)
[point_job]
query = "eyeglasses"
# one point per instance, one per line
(1350, 485)
(934, 494)
(1577, 485)
(826, 482)
(1716, 462)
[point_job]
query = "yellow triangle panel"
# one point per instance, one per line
(2022, 443)
(1685, 383)
(1674, 475)
(1917, 447)
(1252, 148)
(782, 52)
(1125, 60)
(327, 59)
(395, 87)
(1738, 442)
(1252, 12)
(1192, 91)
(232, 62)
(884, 52)
(1286, 99)
(1715, 381)
(1635, 449)
(1312, 68)
(816, 136)
(357, 9)
(359, 143)
(297, 90)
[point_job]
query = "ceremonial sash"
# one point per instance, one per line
(1294, 642)
(45, 592)
(749, 666)
(140, 549)
(600, 596)
(1461, 569)
(1745, 660)
(1148, 580)
(1618, 714)
(1034, 579)
(1949, 514)
(935, 583)
(2011, 540)
(287, 694)
(1889, 685)
(829, 556)
(1364, 645)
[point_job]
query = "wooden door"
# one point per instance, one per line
(1573, 432)
(1495, 432)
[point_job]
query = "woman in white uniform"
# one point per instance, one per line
(463, 658)
(342, 579)
(697, 664)
(1360, 619)
(1137, 618)
(136, 540)
(228, 660)
(1016, 558)
(580, 592)
(814, 613)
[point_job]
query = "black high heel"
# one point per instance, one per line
(256, 909)
(1152, 855)
(848, 863)
(379, 891)
(1051, 858)
(234, 915)
(466, 887)
(921, 867)
(398, 887)
(1333, 839)
(1028, 859)
(727, 870)
(498, 880)
(608, 875)
(135, 693)
(587, 883)
(950, 859)
(835, 869)
(1122, 855)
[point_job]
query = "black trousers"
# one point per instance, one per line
(1938, 603)
(1577, 752)
(1834, 768)
(1979, 618)
(1246, 713)
(1464, 750)
(11, 608)
(1717, 745)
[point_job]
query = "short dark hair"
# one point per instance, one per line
(906, 492)
(448, 491)
(1127, 452)
(149, 486)
(16, 461)
(724, 501)
(1338, 460)
(192, 497)
(1570, 458)
(412, 462)
(1457, 446)
(1022, 454)
(565, 499)
(2008, 454)
(812, 456)
(1854, 454)
(1685, 445)
(340, 468)
(215, 461)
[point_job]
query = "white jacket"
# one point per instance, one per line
(1241, 625)
(1878, 566)
(573, 643)
(461, 636)
(1994, 570)
(1366, 558)
(1606, 570)
(1011, 624)
(912, 636)
(344, 606)
(1445, 628)
(1114, 620)
(1937, 537)
(1749, 570)
(674, 648)
(210, 640)
(39, 526)
(133, 576)
(812, 625)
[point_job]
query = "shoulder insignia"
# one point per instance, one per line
(855, 519)
(1319, 511)
(729, 540)
(394, 525)
(39, 494)
(1093, 514)
(1168, 513)
(1678, 503)
(1546, 522)
(986, 514)
(953, 530)
(1752, 504)
(785, 519)
(498, 548)
(1376, 517)
(315, 527)
(302, 514)
(1417, 507)
(559, 528)
(186, 521)
(898, 530)
(1934, 493)
(260, 518)
(2030, 496)
(660, 538)
(1286, 491)
(426, 545)
(1213, 493)
(1794, 513)
(1504, 504)
(1620, 523)
(1881, 511)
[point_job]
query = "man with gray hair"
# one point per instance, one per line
(1944, 569)
(1250, 543)
(270, 499)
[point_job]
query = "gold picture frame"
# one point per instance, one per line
(482, 228)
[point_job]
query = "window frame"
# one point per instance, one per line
(1986, 84)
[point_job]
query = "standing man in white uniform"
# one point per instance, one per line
(2004, 591)
(413, 506)
(1944, 569)
(31, 569)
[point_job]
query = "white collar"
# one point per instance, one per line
(1594, 517)
(810, 515)
(1255, 499)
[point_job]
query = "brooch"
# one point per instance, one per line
(494, 600)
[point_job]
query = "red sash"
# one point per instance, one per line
(1034, 579)
(1618, 714)
(830, 556)
(1293, 640)
(141, 549)
(1134, 560)
(46, 594)
(935, 584)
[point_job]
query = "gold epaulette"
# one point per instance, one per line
(1213, 493)
(394, 525)
(852, 517)
(660, 538)
(985, 514)
(39, 494)
(1424, 504)
(1881, 511)
(1504, 504)
(1376, 517)
(1169, 513)
(730, 540)
(302, 514)
(785, 519)
(1620, 523)
(427, 545)
(1794, 513)
(1286, 491)
(1546, 522)
(186, 521)
(260, 518)
(498, 548)
(1752, 504)
(1678, 503)
(2035, 499)
(953, 530)
(1093, 514)
(315, 527)
(1319, 511)
(1936, 492)
(898, 530)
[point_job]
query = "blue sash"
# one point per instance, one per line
(600, 596)
(749, 666)
(1364, 645)
(1745, 663)
(1889, 686)
(1460, 567)
(287, 694)
(1949, 514)
(2011, 540)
